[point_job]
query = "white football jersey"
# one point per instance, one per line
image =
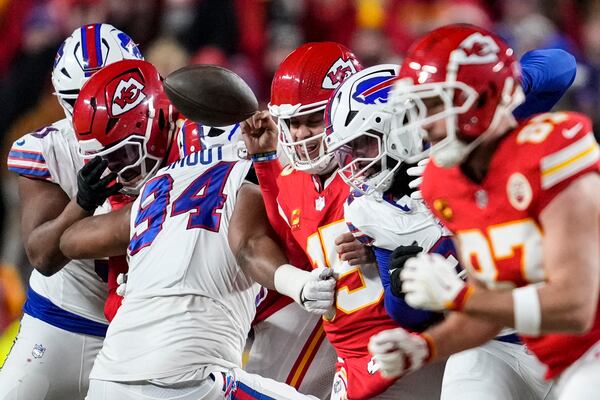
(50, 154)
(187, 303)
(387, 226)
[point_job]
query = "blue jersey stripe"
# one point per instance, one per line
(248, 391)
(235, 128)
(43, 309)
(27, 155)
(37, 173)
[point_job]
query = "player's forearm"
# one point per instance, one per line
(43, 243)
(560, 307)
(459, 332)
(98, 236)
(259, 257)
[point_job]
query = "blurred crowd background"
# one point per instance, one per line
(251, 37)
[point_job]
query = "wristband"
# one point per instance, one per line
(430, 346)
(267, 156)
(527, 310)
(290, 281)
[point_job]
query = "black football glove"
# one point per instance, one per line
(92, 190)
(399, 256)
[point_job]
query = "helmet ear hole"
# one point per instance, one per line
(162, 121)
(111, 124)
(482, 100)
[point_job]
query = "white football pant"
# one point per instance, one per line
(48, 363)
(236, 384)
(495, 371)
(277, 351)
(581, 381)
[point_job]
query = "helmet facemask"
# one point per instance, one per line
(368, 160)
(302, 154)
(412, 108)
(130, 158)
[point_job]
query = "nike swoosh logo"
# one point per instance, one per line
(571, 132)
(20, 142)
(403, 207)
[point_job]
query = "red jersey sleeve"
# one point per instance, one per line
(569, 151)
(268, 172)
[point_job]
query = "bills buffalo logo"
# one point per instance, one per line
(476, 49)
(374, 90)
(129, 45)
(340, 70)
(59, 54)
(127, 95)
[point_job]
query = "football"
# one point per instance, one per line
(210, 95)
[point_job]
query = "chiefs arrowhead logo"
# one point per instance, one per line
(476, 49)
(340, 70)
(128, 94)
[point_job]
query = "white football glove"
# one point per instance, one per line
(431, 282)
(417, 171)
(397, 352)
(318, 293)
(122, 281)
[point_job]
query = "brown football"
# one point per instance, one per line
(210, 95)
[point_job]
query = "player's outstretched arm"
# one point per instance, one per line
(98, 236)
(547, 74)
(250, 237)
(47, 213)
(260, 256)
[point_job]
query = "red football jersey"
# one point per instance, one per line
(267, 173)
(315, 215)
(496, 223)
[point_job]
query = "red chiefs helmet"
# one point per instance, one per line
(472, 78)
(123, 115)
(302, 85)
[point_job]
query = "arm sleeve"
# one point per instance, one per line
(397, 309)
(267, 173)
(547, 74)
(27, 158)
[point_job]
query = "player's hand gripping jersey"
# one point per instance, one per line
(73, 298)
(187, 205)
(496, 223)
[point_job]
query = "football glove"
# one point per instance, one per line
(415, 184)
(92, 189)
(317, 295)
(430, 282)
(396, 352)
(397, 260)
